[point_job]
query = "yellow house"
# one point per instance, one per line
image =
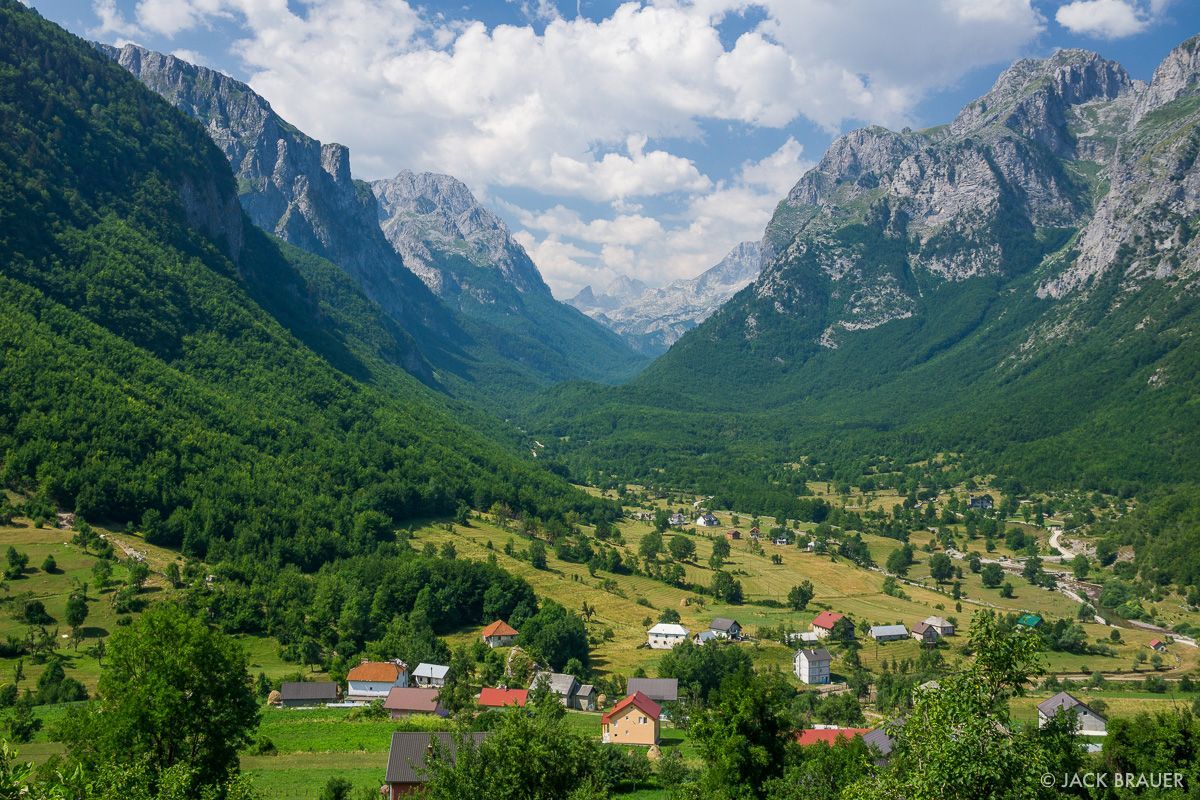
(634, 720)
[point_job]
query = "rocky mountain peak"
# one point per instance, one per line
(443, 233)
(1178, 75)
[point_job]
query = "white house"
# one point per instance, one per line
(812, 666)
(726, 628)
(1089, 723)
(372, 680)
(944, 627)
(707, 520)
(666, 635)
(430, 674)
(677, 520)
(888, 633)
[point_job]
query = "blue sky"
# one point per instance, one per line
(639, 139)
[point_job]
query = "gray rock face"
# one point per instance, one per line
(290, 184)
(885, 216)
(445, 235)
(653, 319)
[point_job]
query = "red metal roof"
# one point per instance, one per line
(499, 698)
(828, 735)
(637, 699)
(827, 619)
(499, 628)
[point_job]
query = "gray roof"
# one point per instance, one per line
(1064, 701)
(817, 654)
(657, 689)
(722, 624)
(889, 630)
(430, 671)
(586, 689)
(560, 682)
(705, 636)
(881, 740)
(406, 757)
(317, 691)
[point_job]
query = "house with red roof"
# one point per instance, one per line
(822, 626)
(499, 634)
(372, 680)
(827, 735)
(500, 698)
(634, 720)
(1158, 645)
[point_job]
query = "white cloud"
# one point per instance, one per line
(1108, 19)
(112, 24)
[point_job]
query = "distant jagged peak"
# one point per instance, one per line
(1176, 76)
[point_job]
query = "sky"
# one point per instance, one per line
(639, 139)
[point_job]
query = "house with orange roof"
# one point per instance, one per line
(499, 634)
(823, 624)
(372, 680)
(634, 720)
(490, 697)
(828, 736)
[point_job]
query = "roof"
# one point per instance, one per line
(1156, 642)
(828, 735)
(722, 624)
(880, 739)
(560, 682)
(827, 619)
(668, 629)
(939, 622)
(1062, 700)
(637, 700)
(376, 672)
(407, 754)
(585, 689)
(499, 698)
(889, 630)
(1030, 620)
(705, 636)
(308, 690)
(499, 628)
(424, 670)
(412, 698)
(659, 689)
(814, 654)
(920, 628)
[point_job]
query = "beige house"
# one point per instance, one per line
(634, 720)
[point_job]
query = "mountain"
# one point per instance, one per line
(653, 319)
(168, 361)
(490, 333)
(1017, 286)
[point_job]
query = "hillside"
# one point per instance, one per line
(1017, 286)
(169, 362)
(485, 327)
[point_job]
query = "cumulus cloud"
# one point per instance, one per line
(1108, 19)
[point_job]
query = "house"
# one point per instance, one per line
(567, 687)
(660, 690)
(407, 756)
(430, 675)
(883, 743)
(888, 633)
(812, 665)
(634, 720)
(1089, 723)
(726, 628)
(704, 636)
(408, 700)
(755, 533)
(985, 502)
(1158, 645)
(500, 698)
(925, 633)
(499, 634)
(733, 534)
(823, 734)
(666, 635)
(677, 520)
(944, 627)
(372, 680)
(307, 693)
(823, 624)
(1029, 620)
(780, 541)
(707, 520)
(585, 698)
